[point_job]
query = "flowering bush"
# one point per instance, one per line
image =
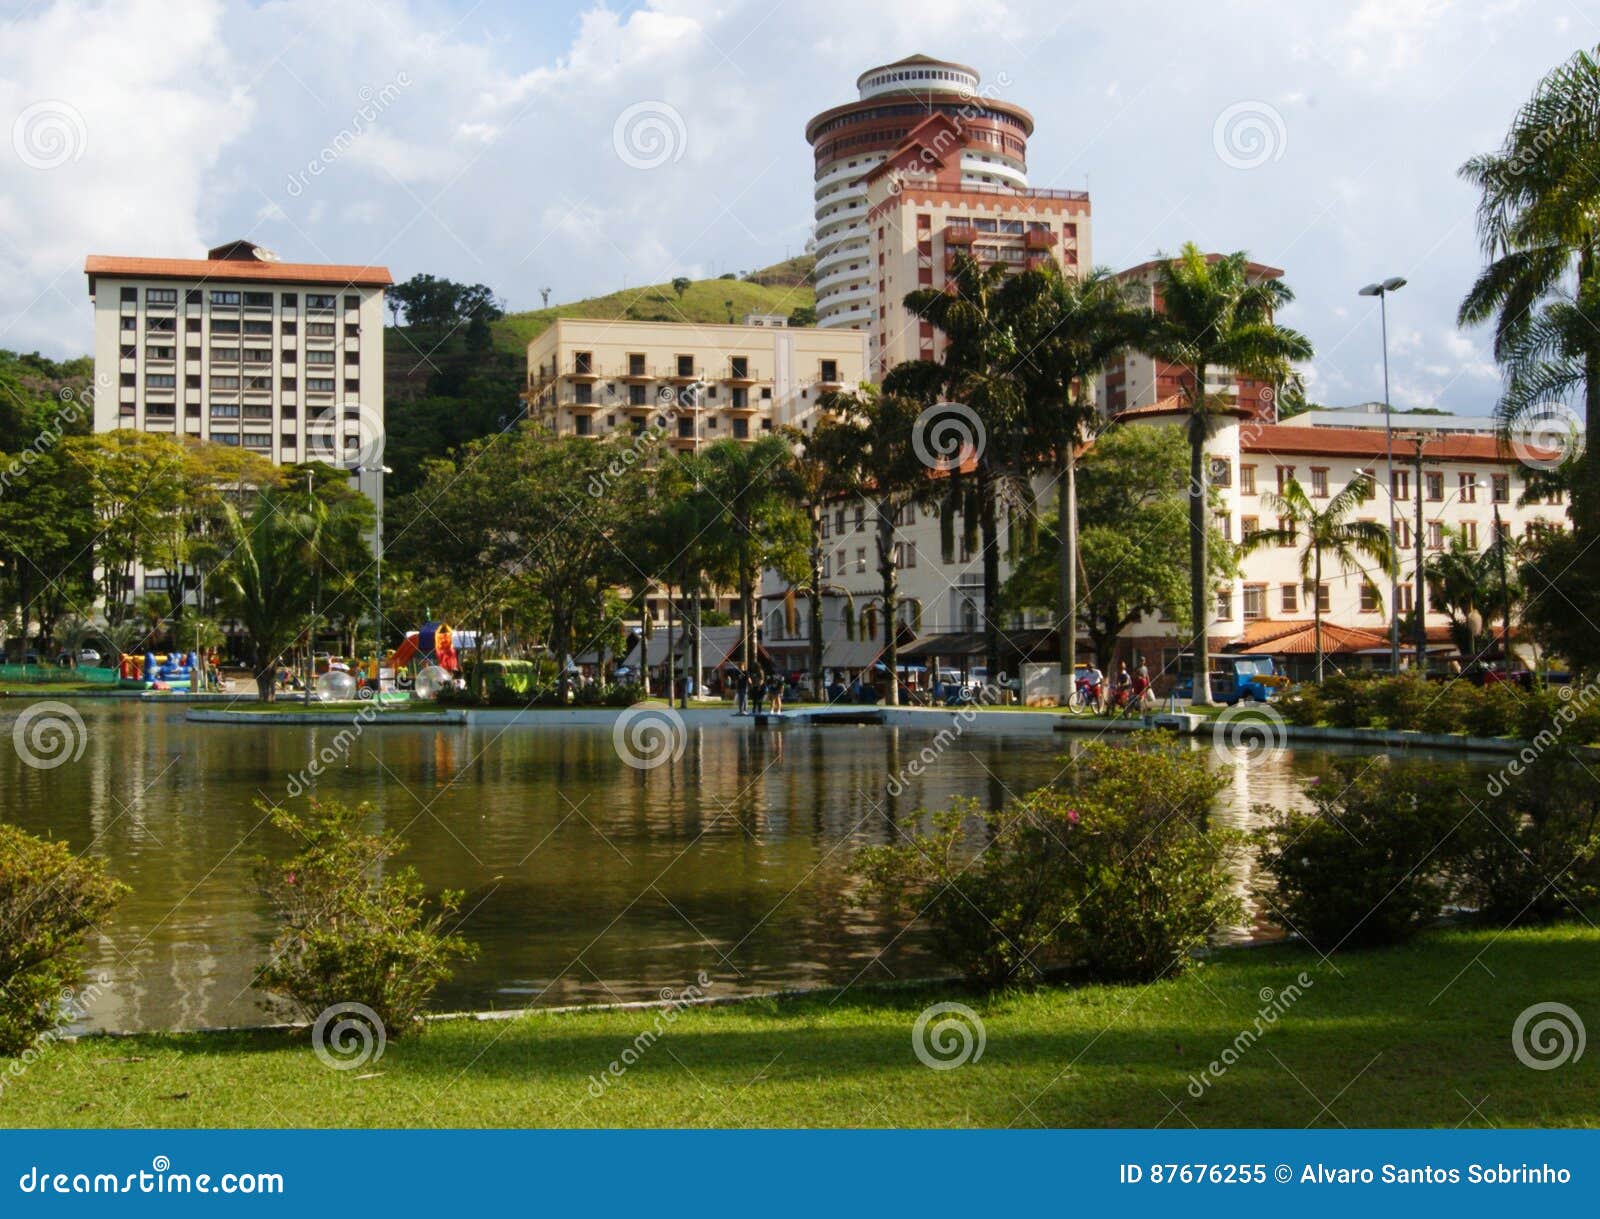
(1114, 871)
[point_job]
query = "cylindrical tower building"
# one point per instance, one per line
(850, 140)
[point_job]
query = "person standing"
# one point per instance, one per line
(741, 690)
(775, 692)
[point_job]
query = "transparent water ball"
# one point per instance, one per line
(336, 686)
(430, 680)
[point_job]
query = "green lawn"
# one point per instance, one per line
(1419, 1036)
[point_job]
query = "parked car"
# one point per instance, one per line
(1234, 678)
(88, 656)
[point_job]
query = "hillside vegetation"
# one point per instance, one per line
(782, 288)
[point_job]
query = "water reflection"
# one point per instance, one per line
(586, 880)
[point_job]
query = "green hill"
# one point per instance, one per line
(705, 300)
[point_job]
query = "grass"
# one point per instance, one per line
(705, 301)
(1414, 1036)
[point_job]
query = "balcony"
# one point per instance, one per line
(584, 370)
(741, 376)
(1039, 239)
(636, 373)
(681, 375)
(959, 234)
(1035, 261)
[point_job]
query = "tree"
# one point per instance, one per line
(1068, 330)
(1214, 313)
(268, 579)
(756, 525)
(1539, 226)
(803, 315)
(1133, 550)
(871, 447)
(1326, 531)
(443, 303)
(1465, 585)
(812, 480)
(47, 533)
(680, 284)
(975, 373)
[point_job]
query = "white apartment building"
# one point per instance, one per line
(284, 359)
(1467, 481)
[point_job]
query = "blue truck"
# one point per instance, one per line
(1234, 678)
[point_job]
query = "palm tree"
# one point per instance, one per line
(975, 372)
(812, 480)
(871, 445)
(1466, 585)
(1539, 225)
(1069, 329)
(755, 525)
(1330, 532)
(72, 635)
(269, 579)
(1213, 313)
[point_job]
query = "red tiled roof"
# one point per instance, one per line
(1286, 439)
(1299, 637)
(1259, 269)
(237, 269)
(1174, 405)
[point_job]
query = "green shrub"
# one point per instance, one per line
(1399, 702)
(1348, 699)
(355, 928)
(1368, 866)
(1536, 712)
(1304, 705)
(1494, 712)
(1115, 871)
(1532, 854)
(48, 898)
(1450, 707)
(508, 679)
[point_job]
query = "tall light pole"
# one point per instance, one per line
(1381, 290)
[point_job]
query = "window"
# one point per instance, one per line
(1469, 487)
(315, 301)
(686, 427)
(1319, 481)
(1402, 534)
(1247, 480)
(838, 522)
(636, 364)
(258, 300)
(1501, 484)
(161, 296)
(260, 441)
(291, 328)
(156, 353)
(825, 526)
(841, 563)
(1407, 598)
(686, 366)
(1255, 596)
(1400, 486)
(1285, 473)
(861, 518)
(160, 381)
(224, 325)
(130, 296)
(1369, 598)
(741, 398)
(326, 357)
(741, 429)
(1470, 530)
(224, 383)
(1434, 485)
(258, 355)
(255, 326)
(1221, 472)
(636, 395)
(1224, 603)
(319, 385)
(1288, 532)
(130, 323)
(352, 301)
(319, 330)
(1369, 478)
(1324, 602)
(224, 411)
(581, 425)
(739, 367)
(1291, 598)
(191, 325)
(861, 558)
(830, 370)
(288, 300)
(1223, 524)
(219, 297)
(1249, 526)
(1435, 535)
(582, 361)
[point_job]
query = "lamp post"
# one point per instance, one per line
(1381, 290)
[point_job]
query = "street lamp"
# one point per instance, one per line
(377, 588)
(1381, 291)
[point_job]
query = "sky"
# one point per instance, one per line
(585, 148)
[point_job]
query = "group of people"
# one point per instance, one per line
(1129, 691)
(753, 686)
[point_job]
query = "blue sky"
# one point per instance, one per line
(480, 141)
